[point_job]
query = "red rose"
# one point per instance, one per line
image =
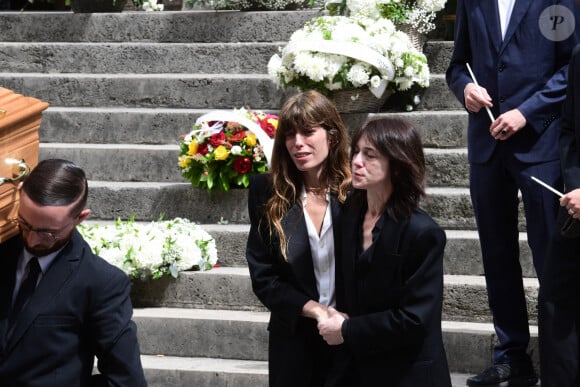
(237, 136)
(202, 149)
(242, 165)
(217, 139)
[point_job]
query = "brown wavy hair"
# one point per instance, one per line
(399, 141)
(300, 111)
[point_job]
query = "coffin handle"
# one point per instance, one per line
(20, 169)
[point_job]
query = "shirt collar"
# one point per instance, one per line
(44, 261)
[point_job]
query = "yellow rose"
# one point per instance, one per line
(251, 139)
(184, 161)
(192, 148)
(221, 153)
(273, 122)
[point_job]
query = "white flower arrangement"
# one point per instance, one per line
(419, 14)
(151, 5)
(333, 53)
(152, 250)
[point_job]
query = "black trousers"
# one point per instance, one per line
(559, 312)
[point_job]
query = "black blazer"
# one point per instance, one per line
(394, 299)
(80, 309)
(562, 267)
(283, 286)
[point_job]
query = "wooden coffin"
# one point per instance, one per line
(19, 124)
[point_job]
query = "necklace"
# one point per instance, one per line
(316, 191)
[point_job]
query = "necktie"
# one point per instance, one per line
(26, 289)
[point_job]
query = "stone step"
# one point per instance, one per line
(199, 91)
(450, 207)
(205, 91)
(153, 57)
(465, 296)
(129, 162)
(167, 26)
(137, 58)
(462, 251)
(225, 334)
(440, 129)
(174, 371)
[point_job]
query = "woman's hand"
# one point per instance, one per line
(331, 327)
(315, 310)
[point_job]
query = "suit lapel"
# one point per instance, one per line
(347, 251)
(48, 288)
(490, 18)
(520, 9)
(299, 254)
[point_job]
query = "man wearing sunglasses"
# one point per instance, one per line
(60, 305)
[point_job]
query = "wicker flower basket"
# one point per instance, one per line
(358, 101)
(417, 39)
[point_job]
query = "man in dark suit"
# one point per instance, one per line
(519, 51)
(559, 312)
(60, 305)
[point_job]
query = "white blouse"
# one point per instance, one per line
(322, 249)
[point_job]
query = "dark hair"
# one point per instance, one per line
(301, 111)
(57, 182)
(399, 141)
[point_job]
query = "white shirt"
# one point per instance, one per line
(505, 8)
(322, 250)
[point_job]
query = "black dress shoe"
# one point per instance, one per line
(506, 374)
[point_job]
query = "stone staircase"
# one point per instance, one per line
(123, 87)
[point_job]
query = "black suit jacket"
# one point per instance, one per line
(283, 286)
(394, 299)
(80, 309)
(562, 267)
(297, 354)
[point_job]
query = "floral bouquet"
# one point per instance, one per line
(332, 53)
(418, 14)
(225, 148)
(152, 250)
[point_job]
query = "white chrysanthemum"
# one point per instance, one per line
(236, 150)
(358, 75)
(350, 32)
(333, 85)
(333, 64)
(274, 65)
(408, 71)
(404, 83)
(431, 5)
(365, 8)
(298, 35)
(302, 61)
(375, 81)
(316, 69)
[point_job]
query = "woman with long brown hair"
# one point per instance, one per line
(290, 250)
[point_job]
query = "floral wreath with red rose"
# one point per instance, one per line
(225, 148)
